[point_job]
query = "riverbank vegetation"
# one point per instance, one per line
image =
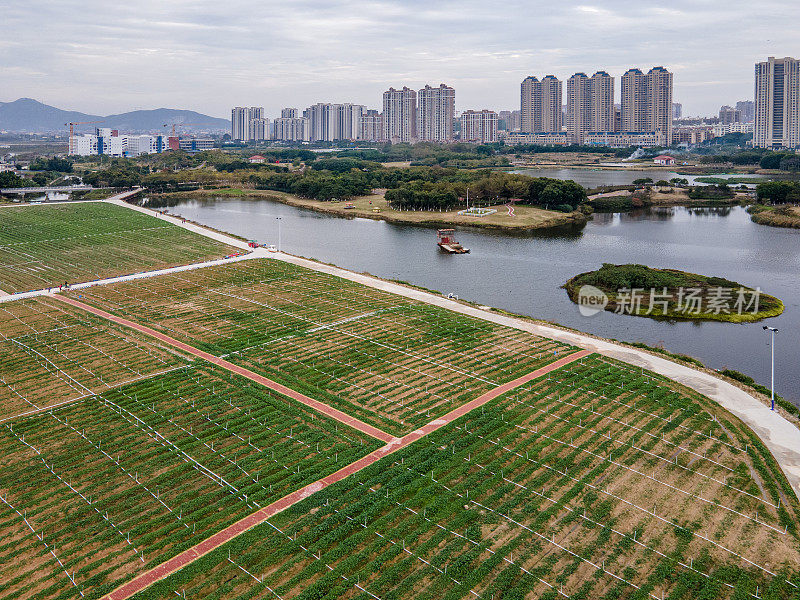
(784, 215)
(668, 293)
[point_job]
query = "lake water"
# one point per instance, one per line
(523, 273)
(592, 178)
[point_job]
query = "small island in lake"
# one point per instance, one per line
(669, 294)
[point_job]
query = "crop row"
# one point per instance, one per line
(388, 361)
(508, 503)
(52, 353)
(44, 246)
(122, 481)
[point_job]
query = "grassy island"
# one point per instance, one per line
(671, 294)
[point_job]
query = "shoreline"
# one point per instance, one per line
(530, 218)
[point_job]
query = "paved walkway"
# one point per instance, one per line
(119, 200)
(781, 437)
(273, 385)
(213, 542)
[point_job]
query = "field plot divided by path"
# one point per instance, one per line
(117, 483)
(594, 481)
(211, 543)
(53, 353)
(43, 246)
(390, 362)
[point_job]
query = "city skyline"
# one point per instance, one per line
(338, 52)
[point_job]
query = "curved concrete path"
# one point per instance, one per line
(779, 435)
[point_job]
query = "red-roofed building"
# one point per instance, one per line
(664, 160)
(257, 159)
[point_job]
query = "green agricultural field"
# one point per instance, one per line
(52, 353)
(104, 488)
(43, 246)
(384, 359)
(599, 481)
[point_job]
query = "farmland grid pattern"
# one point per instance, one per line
(596, 480)
(45, 246)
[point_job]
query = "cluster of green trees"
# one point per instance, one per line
(121, 173)
(487, 189)
(778, 192)
(420, 187)
(317, 185)
(55, 164)
(12, 180)
(785, 161)
(766, 159)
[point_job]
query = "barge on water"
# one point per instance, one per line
(448, 243)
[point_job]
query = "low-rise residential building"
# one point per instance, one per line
(692, 134)
(721, 129)
(538, 139)
(256, 159)
(664, 160)
(108, 142)
(622, 139)
(195, 145)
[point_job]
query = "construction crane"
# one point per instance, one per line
(179, 125)
(72, 131)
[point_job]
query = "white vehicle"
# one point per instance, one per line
(272, 248)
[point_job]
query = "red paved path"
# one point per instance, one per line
(176, 563)
(273, 385)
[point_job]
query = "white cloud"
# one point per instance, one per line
(207, 55)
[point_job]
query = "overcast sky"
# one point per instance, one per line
(106, 57)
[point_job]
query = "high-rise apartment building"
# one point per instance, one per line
(590, 104)
(777, 103)
(659, 104)
(541, 105)
(508, 120)
(479, 126)
(435, 111)
(400, 115)
(292, 129)
(728, 115)
(748, 110)
(677, 110)
(602, 102)
(289, 113)
(331, 122)
(579, 107)
(371, 127)
(249, 124)
(552, 105)
(634, 101)
(647, 103)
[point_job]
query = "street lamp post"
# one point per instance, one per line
(773, 331)
(279, 233)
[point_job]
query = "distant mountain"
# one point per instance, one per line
(31, 116)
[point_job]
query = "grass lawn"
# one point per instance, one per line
(43, 246)
(525, 217)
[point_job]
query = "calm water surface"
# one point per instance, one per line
(592, 178)
(523, 273)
